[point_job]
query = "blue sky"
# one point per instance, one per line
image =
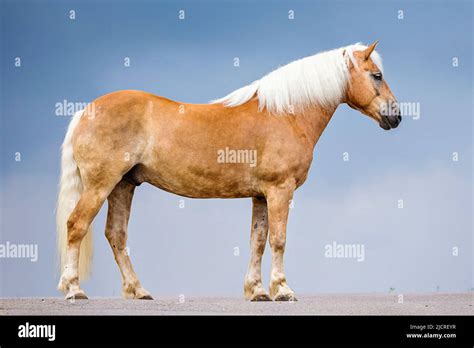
(192, 60)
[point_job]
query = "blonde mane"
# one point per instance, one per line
(319, 79)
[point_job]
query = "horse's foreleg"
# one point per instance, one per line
(253, 289)
(278, 200)
(120, 201)
(77, 226)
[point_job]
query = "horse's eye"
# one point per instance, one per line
(377, 76)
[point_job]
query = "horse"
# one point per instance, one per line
(129, 137)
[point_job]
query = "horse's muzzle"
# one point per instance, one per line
(390, 122)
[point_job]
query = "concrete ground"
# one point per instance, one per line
(324, 304)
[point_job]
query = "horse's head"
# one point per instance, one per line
(368, 91)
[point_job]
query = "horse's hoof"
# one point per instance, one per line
(261, 298)
(285, 297)
(144, 297)
(78, 295)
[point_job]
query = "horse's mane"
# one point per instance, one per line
(319, 79)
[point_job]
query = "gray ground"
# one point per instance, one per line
(326, 304)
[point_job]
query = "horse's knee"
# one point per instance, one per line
(109, 234)
(116, 238)
(277, 245)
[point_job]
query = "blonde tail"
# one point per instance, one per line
(70, 189)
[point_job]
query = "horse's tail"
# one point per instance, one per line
(70, 189)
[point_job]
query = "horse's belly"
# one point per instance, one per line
(202, 182)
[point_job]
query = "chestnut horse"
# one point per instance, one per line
(129, 137)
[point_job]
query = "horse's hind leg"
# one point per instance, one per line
(77, 226)
(120, 201)
(253, 289)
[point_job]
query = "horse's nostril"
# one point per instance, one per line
(399, 118)
(393, 121)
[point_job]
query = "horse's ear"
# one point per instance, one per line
(350, 65)
(368, 51)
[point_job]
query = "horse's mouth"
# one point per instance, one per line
(389, 122)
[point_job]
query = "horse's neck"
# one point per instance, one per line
(314, 120)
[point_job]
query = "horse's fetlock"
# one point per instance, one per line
(130, 287)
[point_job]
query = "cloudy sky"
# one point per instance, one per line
(425, 246)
